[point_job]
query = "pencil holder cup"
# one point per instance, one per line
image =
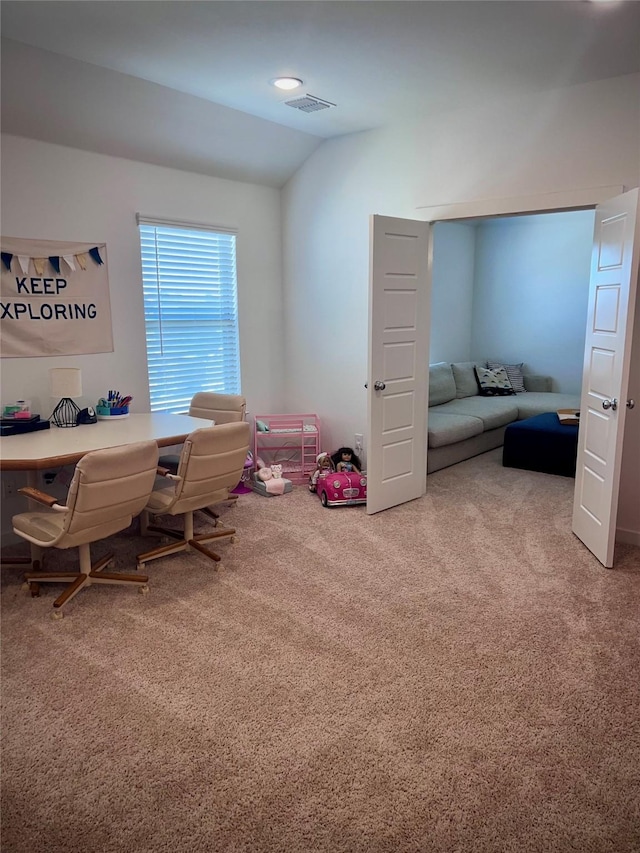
(106, 411)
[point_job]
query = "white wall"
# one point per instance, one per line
(575, 138)
(531, 292)
(58, 193)
(452, 286)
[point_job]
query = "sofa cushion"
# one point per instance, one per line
(444, 429)
(493, 383)
(465, 379)
(538, 402)
(494, 412)
(442, 386)
(514, 372)
(537, 382)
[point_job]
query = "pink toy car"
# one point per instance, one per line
(341, 489)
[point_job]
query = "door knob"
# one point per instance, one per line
(630, 404)
(610, 404)
(379, 386)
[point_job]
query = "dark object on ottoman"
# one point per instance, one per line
(541, 443)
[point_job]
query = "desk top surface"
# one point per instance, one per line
(56, 447)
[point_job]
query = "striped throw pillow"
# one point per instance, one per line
(514, 372)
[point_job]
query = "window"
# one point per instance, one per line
(190, 311)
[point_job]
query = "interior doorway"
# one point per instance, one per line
(608, 371)
(515, 289)
(617, 213)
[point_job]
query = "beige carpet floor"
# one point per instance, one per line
(456, 674)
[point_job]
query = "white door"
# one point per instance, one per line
(399, 326)
(612, 297)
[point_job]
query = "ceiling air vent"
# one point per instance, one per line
(309, 104)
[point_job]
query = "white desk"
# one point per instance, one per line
(52, 448)
(55, 447)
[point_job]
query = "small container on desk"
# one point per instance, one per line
(107, 413)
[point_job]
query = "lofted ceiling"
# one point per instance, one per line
(186, 84)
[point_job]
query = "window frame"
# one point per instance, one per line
(193, 298)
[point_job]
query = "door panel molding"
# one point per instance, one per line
(607, 364)
(399, 329)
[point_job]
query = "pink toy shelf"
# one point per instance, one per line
(292, 441)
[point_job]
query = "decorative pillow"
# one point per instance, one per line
(465, 378)
(442, 386)
(514, 372)
(494, 383)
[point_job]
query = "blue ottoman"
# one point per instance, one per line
(541, 443)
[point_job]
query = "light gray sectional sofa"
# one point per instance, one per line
(462, 424)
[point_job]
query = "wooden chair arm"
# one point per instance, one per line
(40, 497)
(166, 472)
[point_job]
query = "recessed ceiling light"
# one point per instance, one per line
(286, 82)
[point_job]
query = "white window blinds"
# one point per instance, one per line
(191, 312)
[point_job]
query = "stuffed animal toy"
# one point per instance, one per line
(272, 477)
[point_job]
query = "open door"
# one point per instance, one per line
(612, 299)
(399, 327)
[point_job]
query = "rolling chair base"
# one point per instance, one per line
(78, 580)
(196, 543)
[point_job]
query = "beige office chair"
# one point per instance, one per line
(109, 488)
(211, 463)
(219, 408)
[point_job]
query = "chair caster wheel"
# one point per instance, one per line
(26, 586)
(144, 589)
(57, 614)
(232, 539)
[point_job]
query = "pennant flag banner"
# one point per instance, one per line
(95, 254)
(69, 260)
(47, 309)
(54, 260)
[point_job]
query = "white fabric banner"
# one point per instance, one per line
(46, 313)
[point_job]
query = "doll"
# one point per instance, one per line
(346, 460)
(323, 463)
